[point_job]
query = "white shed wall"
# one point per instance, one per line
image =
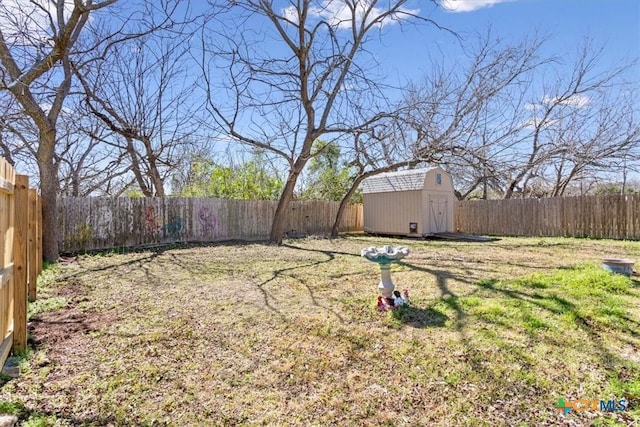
(391, 213)
(431, 182)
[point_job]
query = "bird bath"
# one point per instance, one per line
(385, 256)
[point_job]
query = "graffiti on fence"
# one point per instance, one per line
(103, 222)
(173, 228)
(154, 224)
(80, 237)
(209, 221)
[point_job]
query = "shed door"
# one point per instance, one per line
(438, 214)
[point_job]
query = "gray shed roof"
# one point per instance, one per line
(395, 181)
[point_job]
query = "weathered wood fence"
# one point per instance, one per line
(93, 223)
(20, 256)
(613, 217)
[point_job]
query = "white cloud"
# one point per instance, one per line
(290, 14)
(336, 13)
(468, 5)
(64, 111)
(574, 101)
(577, 101)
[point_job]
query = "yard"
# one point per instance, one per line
(497, 333)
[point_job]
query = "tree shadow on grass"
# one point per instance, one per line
(410, 315)
(431, 316)
(267, 297)
(148, 254)
(442, 278)
(534, 296)
(330, 256)
(598, 335)
(419, 317)
(153, 255)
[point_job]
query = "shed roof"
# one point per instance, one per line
(408, 180)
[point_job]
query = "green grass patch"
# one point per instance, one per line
(583, 293)
(44, 304)
(47, 298)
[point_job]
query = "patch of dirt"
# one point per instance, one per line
(52, 328)
(55, 327)
(74, 291)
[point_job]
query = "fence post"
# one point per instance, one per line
(39, 235)
(20, 236)
(32, 253)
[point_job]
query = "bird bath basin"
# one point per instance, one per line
(619, 266)
(384, 257)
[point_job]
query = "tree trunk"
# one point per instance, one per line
(156, 179)
(280, 217)
(282, 211)
(510, 189)
(135, 167)
(343, 205)
(49, 193)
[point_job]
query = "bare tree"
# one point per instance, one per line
(577, 122)
(14, 141)
(382, 148)
(87, 164)
(39, 40)
(594, 136)
(314, 79)
(144, 95)
(516, 123)
(437, 121)
(28, 56)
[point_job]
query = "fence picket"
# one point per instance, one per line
(20, 261)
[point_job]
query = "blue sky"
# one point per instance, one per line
(614, 24)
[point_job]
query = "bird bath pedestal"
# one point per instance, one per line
(385, 257)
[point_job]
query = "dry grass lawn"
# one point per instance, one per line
(252, 334)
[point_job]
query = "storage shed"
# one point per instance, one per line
(417, 202)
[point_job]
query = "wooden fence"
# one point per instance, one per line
(20, 256)
(612, 217)
(93, 223)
